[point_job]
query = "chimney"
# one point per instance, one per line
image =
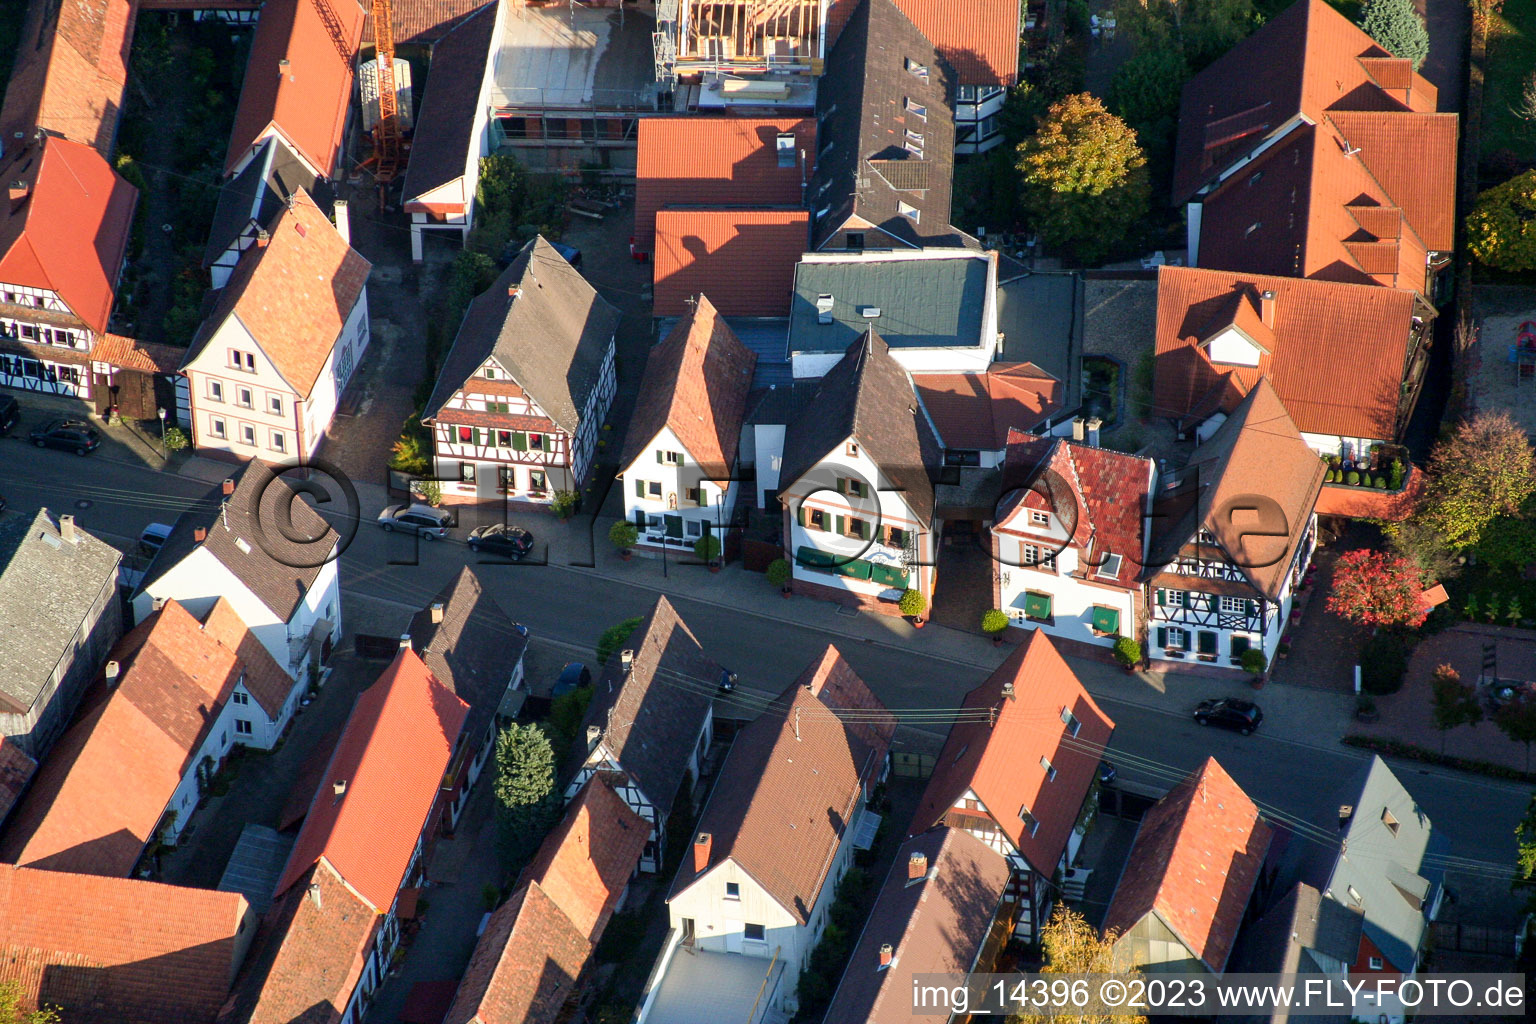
(263, 236)
(887, 954)
(824, 309)
(1077, 428)
(1346, 812)
(199, 534)
(1267, 308)
(917, 867)
(1008, 689)
(1093, 425)
(67, 529)
(19, 190)
(314, 893)
(437, 611)
(405, 641)
(594, 733)
(343, 222)
(626, 660)
(339, 787)
(229, 486)
(701, 846)
(114, 669)
(513, 291)
(156, 603)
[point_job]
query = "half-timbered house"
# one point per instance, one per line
(1017, 768)
(1232, 533)
(518, 406)
(649, 723)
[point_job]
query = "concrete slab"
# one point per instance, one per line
(555, 56)
(706, 988)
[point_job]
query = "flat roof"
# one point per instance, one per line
(924, 301)
(702, 987)
(1038, 315)
(554, 56)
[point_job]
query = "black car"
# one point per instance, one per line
(1241, 716)
(512, 542)
(70, 435)
(10, 412)
(572, 677)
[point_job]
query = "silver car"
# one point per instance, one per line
(426, 522)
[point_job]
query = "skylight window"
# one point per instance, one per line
(920, 70)
(914, 107)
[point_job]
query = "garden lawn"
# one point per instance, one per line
(1511, 57)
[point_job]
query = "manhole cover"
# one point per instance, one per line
(84, 504)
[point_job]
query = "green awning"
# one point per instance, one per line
(889, 575)
(1106, 620)
(815, 558)
(1037, 606)
(854, 567)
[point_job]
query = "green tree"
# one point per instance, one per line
(1398, 27)
(1517, 720)
(566, 712)
(1085, 180)
(613, 638)
(1501, 229)
(12, 1013)
(1455, 703)
(1201, 30)
(525, 766)
(1485, 469)
(1525, 841)
(1071, 945)
(1145, 89)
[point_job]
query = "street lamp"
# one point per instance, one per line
(161, 413)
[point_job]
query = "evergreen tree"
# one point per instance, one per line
(1398, 27)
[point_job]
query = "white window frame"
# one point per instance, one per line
(279, 442)
(274, 404)
(1071, 721)
(1233, 604)
(1038, 518)
(218, 428)
(1111, 566)
(1050, 769)
(909, 211)
(243, 727)
(247, 434)
(1178, 639)
(245, 398)
(240, 698)
(915, 108)
(215, 390)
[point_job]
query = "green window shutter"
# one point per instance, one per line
(1239, 645)
(1207, 642)
(640, 518)
(659, 458)
(639, 488)
(1106, 620)
(476, 435)
(800, 514)
(1162, 636)
(519, 441)
(863, 529)
(1162, 596)
(1252, 609)
(841, 483)
(841, 523)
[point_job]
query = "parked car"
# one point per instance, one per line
(153, 539)
(426, 522)
(10, 412)
(1241, 716)
(512, 542)
(572, 677)
(70, 435)
(1107, 773)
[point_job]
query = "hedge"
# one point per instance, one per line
(1410, 752)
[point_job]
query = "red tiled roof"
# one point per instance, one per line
(16, 770)
(1413, 157)
(423, 21)
(132, 354)
(264, 678)
(584, 865)
(1000, 762)
(306, 103)
(1194, 864)
(118, 950)
(745, 259)
(838, 13)
(1319, 326)
(391, 756)
(100, 795)
(71, 81)
(716, 161)
(69, 233)
(977, 410)
(839, 687)
(979, 38)
(696, 383)
(293, 294)
(1369, 503)
(525, 965)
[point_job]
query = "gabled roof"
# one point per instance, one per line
(1318, 327)
(585, 863)
(651, 718)
(444, 142)
(132, 354)
(1100, 497)
(545, 325)
(472, 649)
(937, 925)
(717, 161)
(69, 233)
(1279, 942)
(424, 21)
(1316, 62)
(696, 383)
(977, 410)
(1257, 451)
(16, 769)
(1412, 157)
(279, 572)
(70, 71)
(389, 762)
(525, 965)
(744, 257)
(308, 955)
(831, 679)
(1194, 864)
(867, 396)
(868, 102)
(119, 950)
(979, 38)
(999, 761)
(100, 796)
(293, 293)
(936, 298)
(257, 193)
(48, 587)
(266, 680)
(306, 100)
(784, 799)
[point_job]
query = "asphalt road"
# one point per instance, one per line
(567, 608)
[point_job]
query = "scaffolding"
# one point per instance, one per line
(738, 37)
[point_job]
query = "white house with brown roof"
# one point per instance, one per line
(268, 367)
(680, 454)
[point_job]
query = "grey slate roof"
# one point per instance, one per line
(47, 587)
(251, 198)
(551, 338)
(651, 717)
(1279, 942)
(1040, 318)
(243, 535)
(923, 303)
(472, 650)
(869, 397)
(445, 127)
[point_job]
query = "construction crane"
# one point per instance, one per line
(387, 143)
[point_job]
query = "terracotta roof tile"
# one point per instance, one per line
(1000, 762)
(132, 354)
(264, 677)
(119, 950)
(70, 232)
(840, 688)
(423, 21)
(1413, 157)
(696, 382)
(585, 864)
(524, 967)
(979, 38)
(71, 82)
(1318, 327)
(392, 755)
(744, 258)
(307, 105)
(977, 410)
(1195, 861)
(716, 161)
(16, 770)
(101, 793)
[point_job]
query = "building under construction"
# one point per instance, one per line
(740, 53)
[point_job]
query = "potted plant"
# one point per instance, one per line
(993, 622)
(563, 504)
(1127, 651)
(1282, 649)
(623, 535)
(1254, 663)
(912, 605)
(779, 573)
(707, 550)
(1365, 708)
